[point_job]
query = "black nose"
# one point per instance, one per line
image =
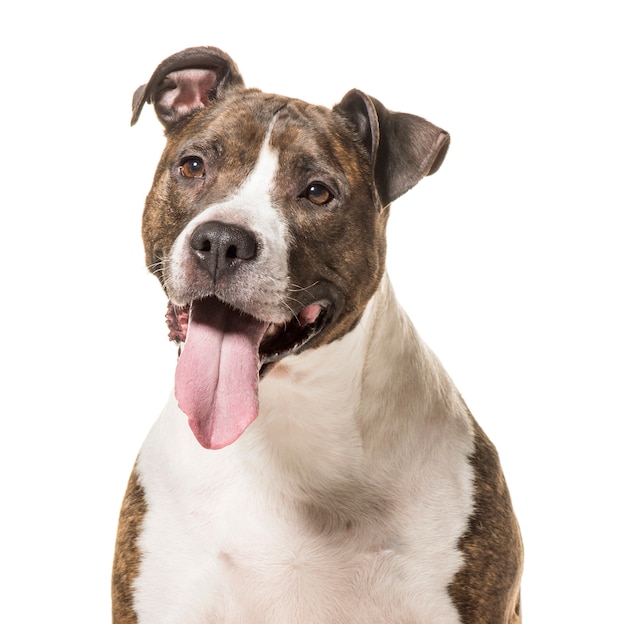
(222, 247)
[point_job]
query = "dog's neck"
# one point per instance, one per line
(321, 410)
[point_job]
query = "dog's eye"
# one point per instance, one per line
(318, 194)
(192, 168)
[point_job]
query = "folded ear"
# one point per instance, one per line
(404, 148)
(185, 82)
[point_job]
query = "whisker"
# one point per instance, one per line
(297, 288)
(283, 301)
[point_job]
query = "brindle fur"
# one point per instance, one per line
(492, 546)
(127, 557)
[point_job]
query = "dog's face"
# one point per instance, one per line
(268, 213)
(289, 176)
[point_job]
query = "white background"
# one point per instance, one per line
(510, 260)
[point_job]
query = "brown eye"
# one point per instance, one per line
(318, 194)
(192, 168)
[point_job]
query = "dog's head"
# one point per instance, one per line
(265, 224)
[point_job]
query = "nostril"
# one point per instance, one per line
(240, 244)
(201, 239)
(203, 245)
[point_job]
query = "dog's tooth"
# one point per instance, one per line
(272, 330)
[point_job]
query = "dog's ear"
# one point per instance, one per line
(404, 148)
(185, 82)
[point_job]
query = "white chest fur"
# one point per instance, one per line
(343, 502)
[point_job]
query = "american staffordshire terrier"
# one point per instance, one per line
(315, 463)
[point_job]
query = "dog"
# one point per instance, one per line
(315, 463)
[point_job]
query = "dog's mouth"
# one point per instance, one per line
(279, 339)
(223, 353)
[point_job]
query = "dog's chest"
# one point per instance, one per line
(226, 549)
(277, 574)
(252, 567)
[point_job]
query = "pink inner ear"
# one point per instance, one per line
(185, 91)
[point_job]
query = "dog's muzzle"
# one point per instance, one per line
(224, 350)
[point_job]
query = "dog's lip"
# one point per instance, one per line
(279, 340)
(287, 338)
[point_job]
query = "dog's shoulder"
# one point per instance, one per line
(492, 545)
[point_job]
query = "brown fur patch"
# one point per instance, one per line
(127, 556)
(486, 590)
(341, 246)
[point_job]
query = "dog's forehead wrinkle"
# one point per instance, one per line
(208, 146)
(313, 144)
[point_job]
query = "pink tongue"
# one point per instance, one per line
(217, 374)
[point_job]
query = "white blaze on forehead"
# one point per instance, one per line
(250, 206)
